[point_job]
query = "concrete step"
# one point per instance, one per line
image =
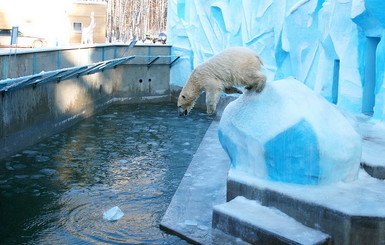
(350, 212)
(373, 161)
(257, 224)
(377, 172)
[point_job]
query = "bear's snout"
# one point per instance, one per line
(182, 112)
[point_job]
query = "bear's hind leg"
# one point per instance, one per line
(256, 80)
(257, 88)
(261, 84)
(249, 87)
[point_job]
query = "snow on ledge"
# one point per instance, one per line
(363, 197)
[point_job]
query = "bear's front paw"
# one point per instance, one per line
(260, 88)
(210, 109)
(233, 90)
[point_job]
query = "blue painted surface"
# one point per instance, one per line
(293, 155)
(181, 5)
(336, 79)
(368, 96)
(229, 147)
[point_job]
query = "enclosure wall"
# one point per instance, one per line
(30, 113)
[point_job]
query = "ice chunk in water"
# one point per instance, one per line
(113, 214)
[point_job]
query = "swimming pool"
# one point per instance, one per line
(130, 156)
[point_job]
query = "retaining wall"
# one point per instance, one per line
(29, 114)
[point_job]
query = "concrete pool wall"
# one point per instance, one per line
(28, 114)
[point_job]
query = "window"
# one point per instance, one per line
(77, 27)
(5, 32)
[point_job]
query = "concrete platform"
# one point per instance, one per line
(351, 213)
(258, 224)
(202, 187)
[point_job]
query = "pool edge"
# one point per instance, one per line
(202, 187)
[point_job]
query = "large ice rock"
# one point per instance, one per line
(288, 133)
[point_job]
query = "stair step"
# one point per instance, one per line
(257, 224)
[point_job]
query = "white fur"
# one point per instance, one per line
(237, 66)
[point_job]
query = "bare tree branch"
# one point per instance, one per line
(134, 19)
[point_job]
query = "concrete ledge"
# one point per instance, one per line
(373, 149)
(374, 171)
(203, 186)
(351, 213)
(258, 224)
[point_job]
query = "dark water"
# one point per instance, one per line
(130, 156)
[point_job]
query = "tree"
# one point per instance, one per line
(134, 19)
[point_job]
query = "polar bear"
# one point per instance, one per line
(236, 66)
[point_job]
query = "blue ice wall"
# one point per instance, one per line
(335, 47)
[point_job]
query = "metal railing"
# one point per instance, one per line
(8, 85)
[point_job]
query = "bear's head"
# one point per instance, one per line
(190, 93)
(185, 103)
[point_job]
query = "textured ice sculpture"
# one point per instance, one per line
(288, 133)
(326, 44)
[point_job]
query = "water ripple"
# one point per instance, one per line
(130, 156)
